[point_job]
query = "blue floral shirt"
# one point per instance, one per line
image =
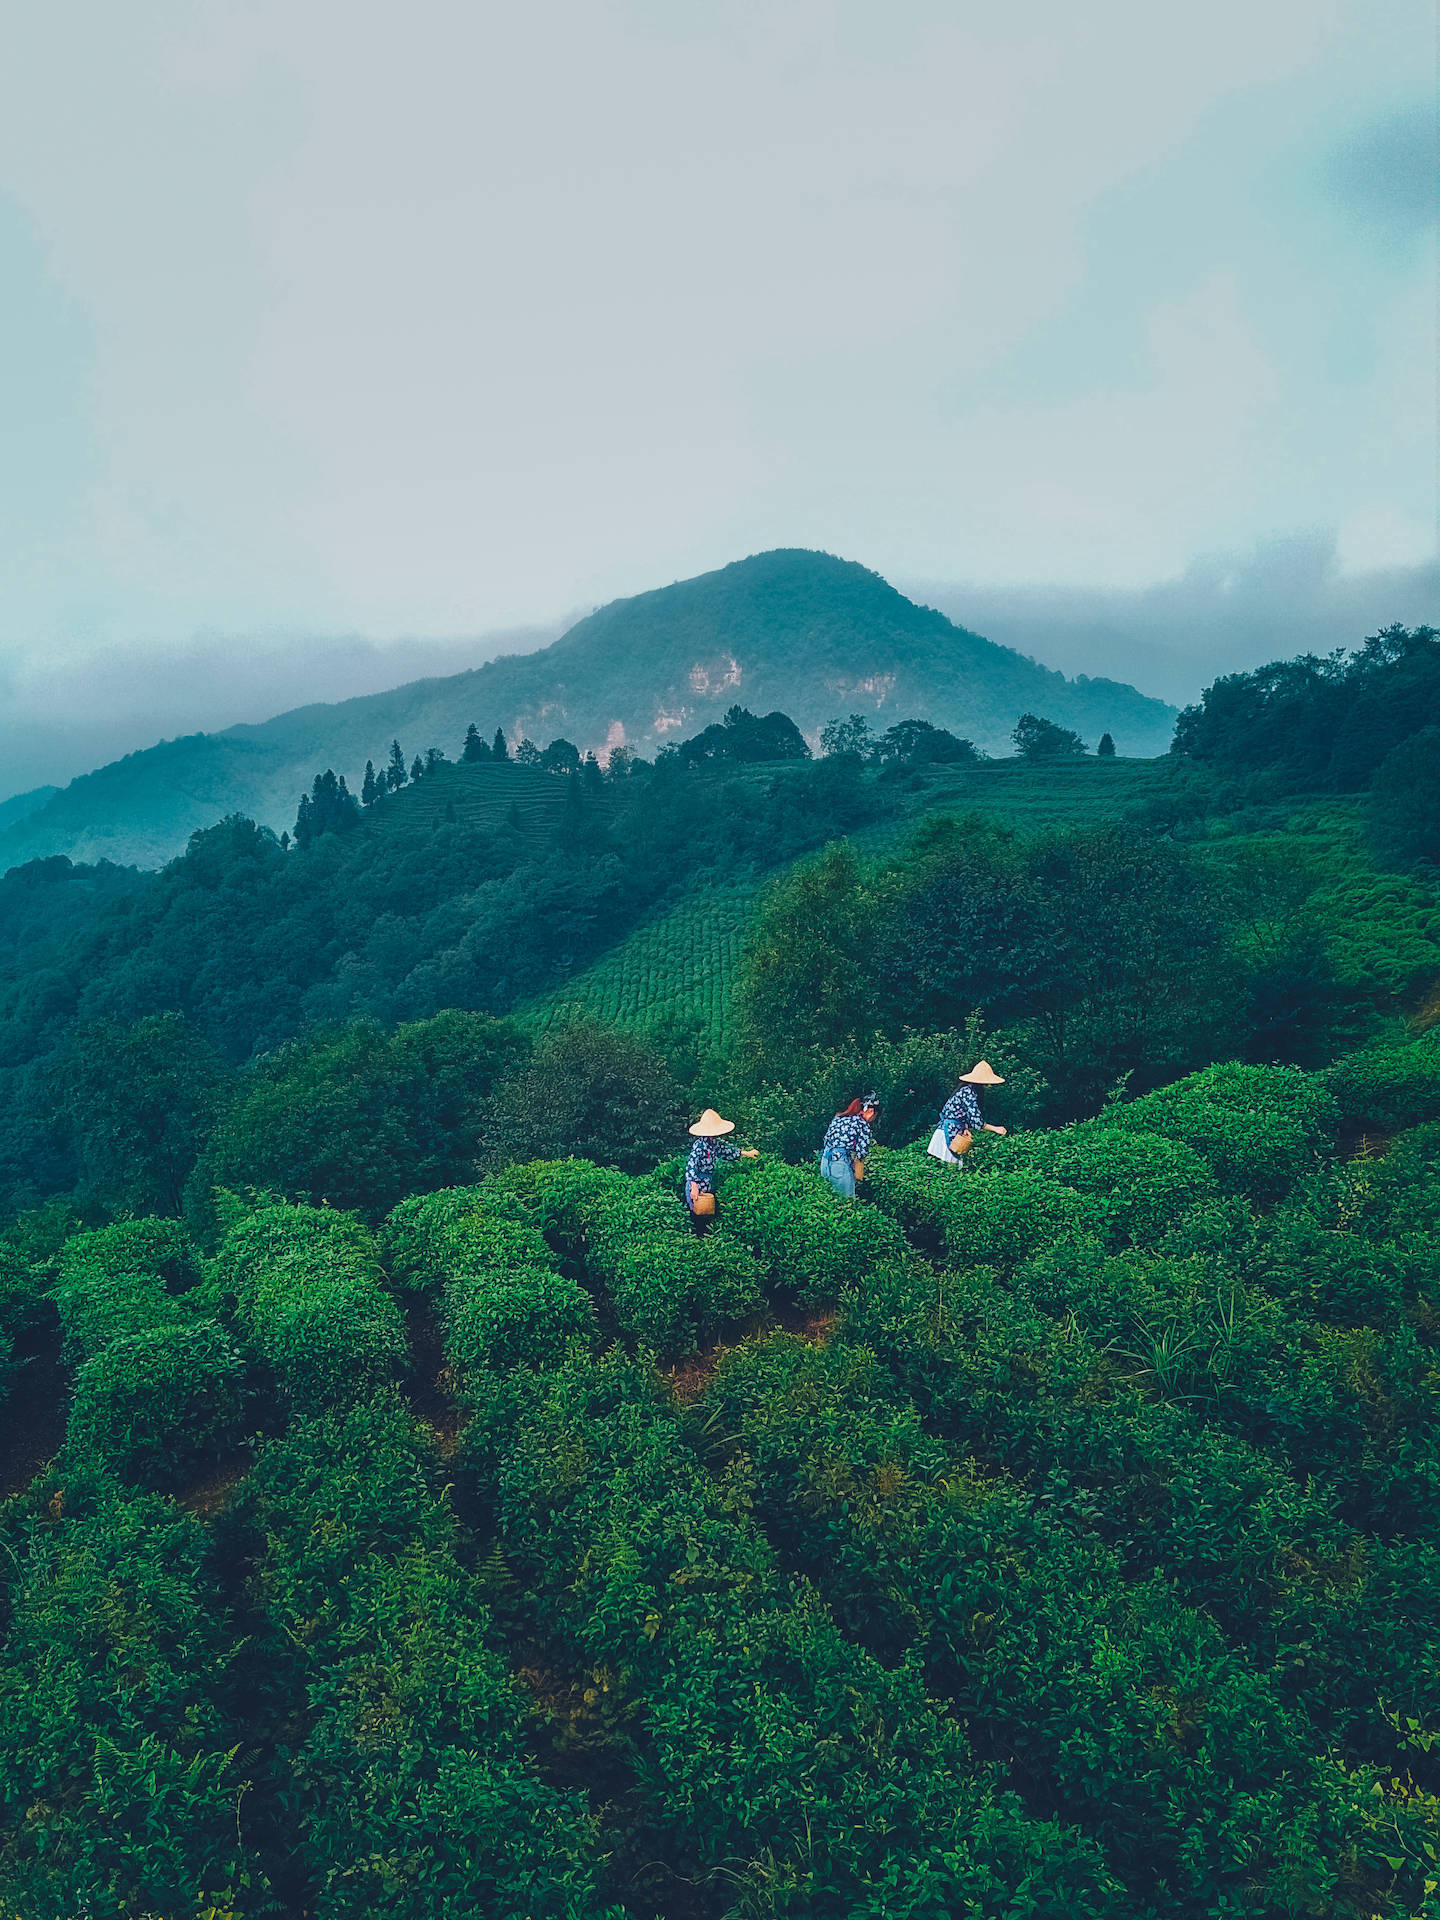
(960, 1111)
(700, 1162)
(847, 1133)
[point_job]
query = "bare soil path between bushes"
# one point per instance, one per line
(33, 1417)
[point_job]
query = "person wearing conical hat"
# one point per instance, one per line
(710, 1148)
(960, 1117)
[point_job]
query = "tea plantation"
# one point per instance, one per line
(1057, 1537)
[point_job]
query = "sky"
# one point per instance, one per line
(341, 340)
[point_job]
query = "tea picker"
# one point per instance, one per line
(960, 1117)
(847, 1143)
(709, 1150)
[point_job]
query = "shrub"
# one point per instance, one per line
(591, 1091)
(1259, 1129)
(1385, 1088)
(1140, 1182)
(414, 1790)
(524, 1316)
(665, 1287)
(119, 1779)
(97, 1307)
(432, 1237)
(162, 1248)
(151, 1405)
(810, 1242)
(308, 1285)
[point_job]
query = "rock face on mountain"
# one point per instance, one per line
(812, 635)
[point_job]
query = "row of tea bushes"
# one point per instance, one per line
(777, 1767)
(629, 1240)
(159, 1380)
(407, 1776)
(120, 1781)
(504, 1302)
(310, 1294)
(809, 1242)
(1115, 1707)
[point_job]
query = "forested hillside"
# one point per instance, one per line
(406, 1512)
(806, 633)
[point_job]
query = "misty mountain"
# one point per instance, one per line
(813, 635)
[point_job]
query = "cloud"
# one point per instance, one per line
(1389, 171)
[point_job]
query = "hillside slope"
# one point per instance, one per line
(812, 635)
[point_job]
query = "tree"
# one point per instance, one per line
(137, 1102)
(369, 786)
(848, 736)
(806, 978)
(1404, 806)
(591, 774)
(498, 748)
(527, 754)
(475, 748)
(1038, 739)
(434, 758)
(330, 807)
(1106, 748)
(358, 1117)
(395, 773)
(590, 1091)
(747, 739)
(918, 743)
(560, 757)
(417, 768)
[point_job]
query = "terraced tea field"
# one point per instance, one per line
(678, 967)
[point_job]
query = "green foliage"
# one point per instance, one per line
(504, 1303)
(1039, 739)
(357, 1117)
(1140, 1183)
(664, 1287)
(810, 1243)
(307, 1283)
(413, 1791)
(152, 1405)
(587, 1091)
(779, 1765)
(1260, 1130)
(973, 1219)
(138, 1102)
(1404, 810)
(1386, 1087)
(119, 1779)
(161, 1248)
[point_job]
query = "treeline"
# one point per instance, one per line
(1358, 719)
(453, 908)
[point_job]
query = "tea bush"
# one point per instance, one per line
(779, 1766)
(504, 1302)
(414, 1792)
(1140, 1182)
(630, 1237)
(155, 1404)
(809, 1241)
(308, 1287)
(1384, 1088)
(1115, 1704)
(119, 1775)
(1259, 1129)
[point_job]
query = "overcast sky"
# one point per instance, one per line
(439, 318)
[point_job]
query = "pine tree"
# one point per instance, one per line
(474, 748)
(498, 748)
(417, 768)
(1106, 748)
(395, 774)
(591, 774)
(369, 789)
(304, 822)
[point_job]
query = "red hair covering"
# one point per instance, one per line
(847, 1113)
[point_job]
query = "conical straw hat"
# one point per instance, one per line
(711, 1123)
(982, 1074)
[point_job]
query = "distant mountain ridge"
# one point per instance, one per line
(816, 636)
